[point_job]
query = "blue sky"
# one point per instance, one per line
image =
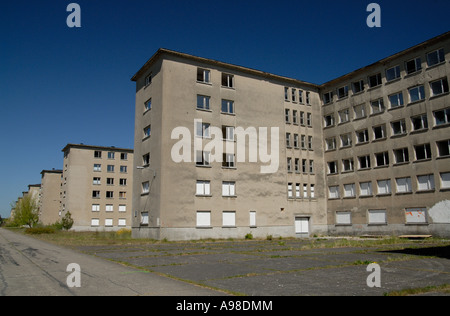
(62, 85)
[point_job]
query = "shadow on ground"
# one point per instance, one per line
(440, 252)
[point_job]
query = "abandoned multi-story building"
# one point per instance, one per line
(96, 186)
(223, 150)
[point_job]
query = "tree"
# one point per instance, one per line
(26, 212)
(67, 221)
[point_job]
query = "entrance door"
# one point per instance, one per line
(302, 225)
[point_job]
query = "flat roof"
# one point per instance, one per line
(91, 147)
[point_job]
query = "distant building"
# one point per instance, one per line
(50, 196)
(366, 153)
(96, 187)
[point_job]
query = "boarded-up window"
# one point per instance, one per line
(416, 215)
(377, 217)
(203, 219)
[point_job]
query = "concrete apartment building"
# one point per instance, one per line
(50, 202)
(96, 187)
(365, 153)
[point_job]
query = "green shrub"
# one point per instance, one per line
(39, 230)
(249, 236)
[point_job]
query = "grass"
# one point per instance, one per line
(445, 289)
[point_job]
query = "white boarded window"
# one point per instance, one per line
(384, 186)
(108, 222)
(425, 182)
(349, 190)
(377, 217)
(122, 208)
(95, 222)
(144, 218)
(416, 215)
(365, 188)
(344, 218)
(333, 192)
(252, 219)
(122, 222)
(95, 207)
(403, 185)
(203, 218)
(445, 180)
(229, 219)
(109, 208)
(203, 188)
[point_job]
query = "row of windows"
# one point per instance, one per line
(109, 208)
(109, 181)
(412, 66)
(424, 183)
(303, 120)
(203, 159)
(204, 103)
(299, 141)
(109, 194)
(109, 222)
(307, 166)
(109, 168)
(203, 188)
(413, 215)
(297, 96)
(204, 76)
(301, 191)
(382, 159)
(418, 123)
(203, 219)
(110, 155)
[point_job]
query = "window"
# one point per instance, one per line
(360, 111)
(358, 86)
(413, 65)
(203, 188)
(417, 215)
(401, 155)
(423, 152)
(305, 191)
(384, 187)
(123, 182)
(97, 167)
(145, 187)
(439, 87)
(290, 194)
(308, 98)
(435, 57)
(377, 217)
(346, 140)
(375, 80)
(109, 208)
(228, 188)
(442, 117)
(203, 218)
(443, 148)
(294, 95)
(97, 154)
(228, 133)
(349, 190)
(111, 155)
(416, 94)
(109, 194)
(289, 164)
(228, 106)
(123, 156)
(110, 168)
(202, 158)
(148, 105)
(300, 96)
(309, 119)
(96, 181)
(109, 181)
(311, 188)
(302, 118)
(144, 219)
(344, 218)
(303, 141)
(362, 136)
(393, 73)
(445, 180)
(286, 94)
(229, 160)
(382, 159)
(296, 141)
(379, 132)
(398, 127)
(203, 75)
(146, 159)
(328, 97)
(425, 183)
(122, 208)
(342, 92)
(297, 191)
(202, 130)
(95, 222)
(122, 222)
(95, 207)
(252, 219)
(123, 169)
(396, 100)
(148, 79)
(344, 116)
(297, 165)
(287, 116)
(333, 192)
(330, 143)
(347, 165)
(228, 219)
(108, 222)
(122, 195)
(310, 142)
(365, 188)
(304, 161)
(419, 122)
(227, 80)
(147, 131)
(332, 167)
(288, 140)
(377, 106)
(329, 120)
(203, 102)
(403, 185)
(294, 117)
(311, 166)
(364, 162)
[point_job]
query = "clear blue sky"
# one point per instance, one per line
(62, 85)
